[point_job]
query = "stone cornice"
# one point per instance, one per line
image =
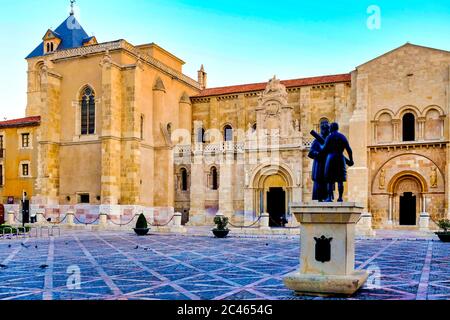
(409, 145)
(124, 45)
(54, 74)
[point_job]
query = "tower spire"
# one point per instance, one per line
(72, 3)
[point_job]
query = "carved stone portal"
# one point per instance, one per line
(274, 113)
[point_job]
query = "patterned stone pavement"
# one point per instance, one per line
(120, 265)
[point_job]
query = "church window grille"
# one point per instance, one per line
(25, 170)
(88, 112)
(25, 140)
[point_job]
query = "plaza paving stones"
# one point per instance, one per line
(119, 265)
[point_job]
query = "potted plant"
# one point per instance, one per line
(142, 228)
(445, 226)
(221, 231)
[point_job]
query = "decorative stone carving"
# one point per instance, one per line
(139, 63)
(434, 178)
(107, 59)
(275, 90)
(159, 85)
(274, 113)
(185, 98)
(382, 179)
(247, 179)
(408, 185)
(297, 125)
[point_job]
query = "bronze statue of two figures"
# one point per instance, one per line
(330, 164)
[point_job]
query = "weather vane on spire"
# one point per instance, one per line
(72, 3)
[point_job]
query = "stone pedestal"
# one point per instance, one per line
(70, 218)
(103, 221)
(176, 224)
(10, 220)
(424, 221)
(327, 262)
(40, 217)
(264, 223)
(364, 227)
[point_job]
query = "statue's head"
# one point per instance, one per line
(334, 127)
(325, 129)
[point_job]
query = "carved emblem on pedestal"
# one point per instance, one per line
(323, 249)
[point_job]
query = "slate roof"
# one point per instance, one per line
(70, 32)
(22, 122)
(288, 83)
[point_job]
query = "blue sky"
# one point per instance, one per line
(237, 41)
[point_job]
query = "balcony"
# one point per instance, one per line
(249, 145)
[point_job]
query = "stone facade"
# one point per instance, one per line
(139, 93)
(18, 148)
(159, 141)
(372, 106)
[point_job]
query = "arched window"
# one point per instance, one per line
(254, 127)
(228, 133)
(48, 47)
(201, 135)
(434, 126)
(88, 111)
(409, 127)
(384, 129)
(52, 47)
(184, 179)
(214, 179)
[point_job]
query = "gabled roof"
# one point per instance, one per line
(22, 122)
(401, 47)
(49, 33)
(89, 39)
(70, 32)
(346, 77)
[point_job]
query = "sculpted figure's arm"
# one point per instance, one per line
(350, 153)
(315, 151)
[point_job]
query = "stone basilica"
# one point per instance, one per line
(119, 129)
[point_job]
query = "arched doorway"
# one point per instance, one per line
(408, 209)
(272, 186)
(407, 198)
(276, 200)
